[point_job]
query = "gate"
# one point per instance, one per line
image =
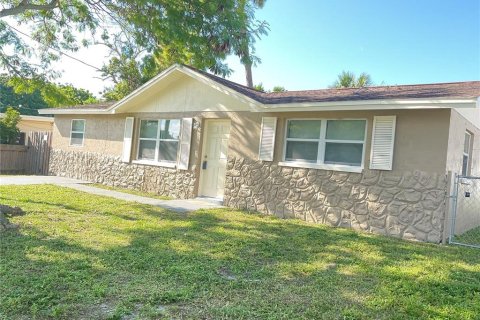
(465, 225)
(38, 152)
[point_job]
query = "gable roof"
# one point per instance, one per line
(458, 92)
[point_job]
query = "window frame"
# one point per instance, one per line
(322, 142)
(467, 154)
(82, 132)
(156, 161)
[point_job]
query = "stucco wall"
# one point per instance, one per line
(457, 128)
(468, 208)
(32, 125)
(420, 142)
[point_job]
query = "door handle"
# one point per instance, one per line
(204, 165)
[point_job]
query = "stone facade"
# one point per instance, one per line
(410, 205)
(110, 170)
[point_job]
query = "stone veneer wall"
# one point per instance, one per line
(110, 170)
(410, 205)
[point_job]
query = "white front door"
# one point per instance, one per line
(214, 158)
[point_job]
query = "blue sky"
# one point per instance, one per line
(312, 41)
(396, 42)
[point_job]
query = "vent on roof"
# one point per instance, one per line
(383, 139)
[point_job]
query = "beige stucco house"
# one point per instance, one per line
(374, 159)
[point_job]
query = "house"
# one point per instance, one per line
(33, 123)
(374, 159)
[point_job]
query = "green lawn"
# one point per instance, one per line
(79, 256)
(470, 237)
(131, 191)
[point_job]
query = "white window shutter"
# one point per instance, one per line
(383, 139)
(127, 139)
(185, 142)
(267, 138)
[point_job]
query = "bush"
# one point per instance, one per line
(8, 126)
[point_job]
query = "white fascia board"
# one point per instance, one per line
(32, 118)
(142, 88)
(253, 104)
(73, 111)
(372, 105)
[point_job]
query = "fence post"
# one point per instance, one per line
(449, 207)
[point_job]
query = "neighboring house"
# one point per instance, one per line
(34, 123)
(373, 159)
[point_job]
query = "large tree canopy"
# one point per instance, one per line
(143, 36)
(31, 99)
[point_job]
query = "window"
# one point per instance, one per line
(325, 142)
(467, 145)
(159, 140)
(77, 132)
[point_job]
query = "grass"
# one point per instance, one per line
(131, 191)
(469, 237)
(79, 256)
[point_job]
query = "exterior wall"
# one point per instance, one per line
(32, 125)
(468, 208)
(407, 202)
(457, 128)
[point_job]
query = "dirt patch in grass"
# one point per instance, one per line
(131, 191)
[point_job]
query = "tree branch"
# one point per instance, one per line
(25, 5)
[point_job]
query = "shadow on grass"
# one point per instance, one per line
(226, 264)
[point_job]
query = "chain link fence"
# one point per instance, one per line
(465, 227)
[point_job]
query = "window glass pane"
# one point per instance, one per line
(167, 151)
(465, 165)
(302, 150)
(346, 129)
(76, 139)
(78, 125)
(343, 153)
(466, 145)
(304, 129)
(146, 150)
(148, 129)
(170, 129)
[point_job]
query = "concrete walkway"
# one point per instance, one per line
(24, 180)
(174, 205)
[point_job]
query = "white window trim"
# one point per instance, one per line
(82, 132)
(321, 148)
(469, 153)
(155, 162)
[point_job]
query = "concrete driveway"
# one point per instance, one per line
(24, 180)
(174, 205)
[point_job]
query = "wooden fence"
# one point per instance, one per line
(12, 158)
(32, 158)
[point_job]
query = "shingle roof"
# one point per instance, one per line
(463, 90)
(452, 90)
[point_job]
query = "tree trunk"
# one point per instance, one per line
(248, 75)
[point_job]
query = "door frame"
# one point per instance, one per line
(206, 123)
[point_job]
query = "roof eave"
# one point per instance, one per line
(73, 111)
(384, 104)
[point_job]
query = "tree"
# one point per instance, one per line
(347, 79)
(8, 126)
(143, 35)
(26, 103)
(30, 99)
(278, 89)
(259, 87)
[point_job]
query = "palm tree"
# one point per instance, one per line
(347, 79)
